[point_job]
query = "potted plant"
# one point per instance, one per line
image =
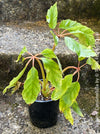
(55, 89)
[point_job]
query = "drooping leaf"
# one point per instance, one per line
(94, 64)
(56, 39)
(59, 92)
(54, 74)
(31, 86)
(68, 115)
(77, 109)
(84, 33)
(81, 50)
(48, 53)
(52, 15)
(21, 53)
(16, 87)
(14, 80)
(70, 96)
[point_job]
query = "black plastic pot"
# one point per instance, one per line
(44, 114)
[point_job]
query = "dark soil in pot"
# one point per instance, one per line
(44, 113)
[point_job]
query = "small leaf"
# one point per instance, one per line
(31, 86)
(48, 53)
(94, 64)
(17, 86)
(71, 94)
(56, 39)
(59, 92)
(21, 53)
(58, 61)
(68, 115)
(54, 74)
(77, 109)
(14, 80)
(51, 17)
(81, 50)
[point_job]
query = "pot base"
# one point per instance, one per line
(44, 114)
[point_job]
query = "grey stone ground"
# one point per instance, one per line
(14, 118)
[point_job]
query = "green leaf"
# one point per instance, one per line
(77, 109)
(68, 115)
(48, 53)
(94, 64)
(31, 86)
(81, 50)
(70, 96)
(54, 74)
(66, 24)
(58, 61)
(14, 80)
(52, 15)
(56, 39)
(22, 52)
(84, 33)
(59, 92)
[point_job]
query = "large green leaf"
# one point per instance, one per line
(48, 53)
(54, 74)
(77, 109)
(94, 64)
(51, 17)
(68, 115)
(56, 39)
(59, 92)
(66, 24)
(70, 96)
(81, 50)
(31, 86)
(21, 53)
(14, 80)
(84, 33)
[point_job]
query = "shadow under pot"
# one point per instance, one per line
(44, 114)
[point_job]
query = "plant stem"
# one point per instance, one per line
(64, 31)
(42, 71)
(75, 72)
(53, 47)
(69, 67)
(28, 62)
(83, 65)
(78, 76)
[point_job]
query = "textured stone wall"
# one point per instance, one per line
(12, 10)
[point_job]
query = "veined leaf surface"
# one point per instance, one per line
(84, 33)
(70, 96)
(14, 80)
(54, 74)
(77, 109)
(48, 53)
(68, 115)
(81, 50)
(31, 86)
(52, 15)
(94, 64)
(59, 92)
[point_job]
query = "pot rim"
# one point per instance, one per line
(44, 101)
